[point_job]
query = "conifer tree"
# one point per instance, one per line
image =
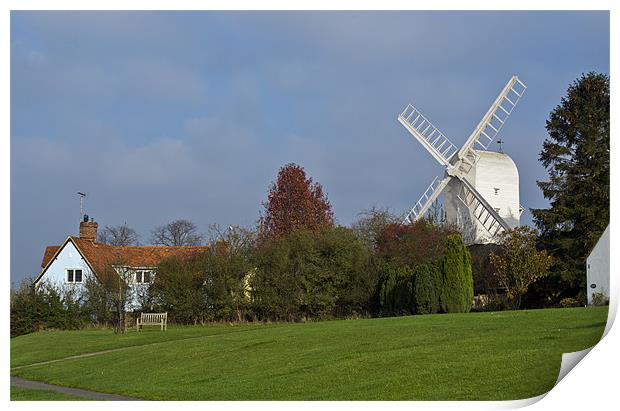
(457, 293)
(576, 155)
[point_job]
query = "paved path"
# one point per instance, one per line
(92, 395)
(88, 354)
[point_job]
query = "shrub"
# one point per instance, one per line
(35, 308)
(521, 264)
(180, 288)
(427, 288)
(599, 299)
(569, 302)
(457, 292)
(411, 244)
(485, 281)
(396, 294)
(226, 295)
(312, 274)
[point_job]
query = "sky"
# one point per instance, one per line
(166, 115)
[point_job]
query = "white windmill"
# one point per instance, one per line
(482, 187)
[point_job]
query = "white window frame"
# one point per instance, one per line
(73, 274)
(139, 273)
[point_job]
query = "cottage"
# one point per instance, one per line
(68, 266)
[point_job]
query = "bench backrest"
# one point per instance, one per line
(153, 317)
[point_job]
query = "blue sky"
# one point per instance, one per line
(161, 115)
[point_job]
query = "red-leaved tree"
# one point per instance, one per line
(294, 201)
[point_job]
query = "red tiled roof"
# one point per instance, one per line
(101, 255)
(50, 251)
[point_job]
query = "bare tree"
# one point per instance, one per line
(119, 235)
(236, 239)
(370, 223)
(177, 233)
(108, 295)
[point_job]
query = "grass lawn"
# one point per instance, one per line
(25, 394)
(475, 356)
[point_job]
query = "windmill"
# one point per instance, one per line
(481, 187)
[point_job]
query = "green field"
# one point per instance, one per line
(475, 356)
(25, 394)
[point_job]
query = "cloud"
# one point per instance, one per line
(168, 115)
(162, 80)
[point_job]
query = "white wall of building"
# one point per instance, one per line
(496, 178)
(68, 258)
(597, 267)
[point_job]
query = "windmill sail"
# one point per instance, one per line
(493, 121)
(481, 209)
(430, 195)
(459, 163)
(440, 147)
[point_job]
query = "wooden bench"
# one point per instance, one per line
(160, 319)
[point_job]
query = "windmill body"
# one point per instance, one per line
(496, 178)
(481, 187)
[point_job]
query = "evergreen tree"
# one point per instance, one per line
(576, 155)
(427, 288)
(457, 293)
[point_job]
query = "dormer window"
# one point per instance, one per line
(143, 276)
(74, 275)
(496, 189)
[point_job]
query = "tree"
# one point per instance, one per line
(457, 293)
(229, 270)
(427, 288)
(396, 293)
(234, 239)
(45, 306)
(181, 288)
(177, 233)
(294, 202)
(312, 274)
(520, 265)
(121, 235)
(576, 155)
(370, 224)
(109, 293)
(411, 244)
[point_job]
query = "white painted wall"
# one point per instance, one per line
(68, 258)
(493, 170)
(597, 267)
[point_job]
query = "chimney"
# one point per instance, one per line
(88, 229)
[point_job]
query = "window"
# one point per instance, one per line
(143, 277)
(496, 190)
(74, 275)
